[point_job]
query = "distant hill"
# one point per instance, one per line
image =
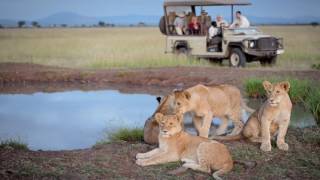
(76, 19)
(70, 19)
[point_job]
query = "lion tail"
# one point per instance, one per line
(228, 138)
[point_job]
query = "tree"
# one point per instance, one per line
(102, 24)
(21, 23)
(314, 24)
(64, 25)
(1, 26)
(35, 24)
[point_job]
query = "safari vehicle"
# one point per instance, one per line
(239, 45)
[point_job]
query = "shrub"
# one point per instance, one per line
(297, 93)
(14, 144)
(312, 102)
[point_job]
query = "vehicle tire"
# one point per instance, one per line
(237, 58)
(182, 52)
(271, 61)
(162, 26)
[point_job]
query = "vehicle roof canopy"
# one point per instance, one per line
(205, 2)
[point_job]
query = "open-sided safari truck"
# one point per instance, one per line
(239, 45)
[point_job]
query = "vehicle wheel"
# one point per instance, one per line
(182, 51)
(237, 58)
(162, 26)
(269, 61)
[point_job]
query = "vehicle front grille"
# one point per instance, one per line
(267, 44)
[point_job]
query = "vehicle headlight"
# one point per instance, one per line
(280, 43)
(252, 44)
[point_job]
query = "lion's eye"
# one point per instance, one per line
(178, 103)
(170, 124)
(278, 92)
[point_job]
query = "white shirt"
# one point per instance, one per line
(212, 32)
(243, 22)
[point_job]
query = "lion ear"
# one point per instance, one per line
(158, 117)
(267, 85)
(187, 94)
(285, 85)
(159, 99)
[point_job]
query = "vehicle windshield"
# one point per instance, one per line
(245, 31)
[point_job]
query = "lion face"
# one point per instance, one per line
(181, 103)
(169, 124)
(276, 92)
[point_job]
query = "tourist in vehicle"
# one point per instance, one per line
(194, 26)
(214, 38)
(221, 22)
(213, 30)
(205, 22)
(240, 22)
(179, 23)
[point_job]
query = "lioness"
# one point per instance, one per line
(206, 102)
(274, 115)
(198, 153)
(151, 126)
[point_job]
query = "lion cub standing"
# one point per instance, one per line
(198, 153)
(272, 118)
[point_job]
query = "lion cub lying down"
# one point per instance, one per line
(198, 153)
(272, 118)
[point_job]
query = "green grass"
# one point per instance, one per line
(129, 135)
(133, 47)
(316, 66)
(297, 93)
(301, 91)
(14, 144)
(312, 102)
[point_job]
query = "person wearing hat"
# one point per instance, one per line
(205, 22)
(180, 23)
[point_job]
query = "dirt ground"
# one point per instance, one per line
(29, 78)
(116, 160)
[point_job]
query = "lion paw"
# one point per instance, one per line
(283, 146)
(139, 156)
(140, 162)
(265, 147)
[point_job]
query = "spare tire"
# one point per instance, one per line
(162, 25)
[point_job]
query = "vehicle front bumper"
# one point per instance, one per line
(260, 53)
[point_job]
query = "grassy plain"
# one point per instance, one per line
(133, 47)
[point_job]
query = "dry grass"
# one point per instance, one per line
(302, 45)
(131, 47)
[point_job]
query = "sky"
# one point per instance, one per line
(36, 9)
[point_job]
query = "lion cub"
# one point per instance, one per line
(198, 153)
(272, 118)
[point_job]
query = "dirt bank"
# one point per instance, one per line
(116, 161)
(29, 78)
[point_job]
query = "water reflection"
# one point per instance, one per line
(70, 120)
(75, 120)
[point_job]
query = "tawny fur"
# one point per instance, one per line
(151, 126)
(207, 102)
(271, 119)
(198, 153)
